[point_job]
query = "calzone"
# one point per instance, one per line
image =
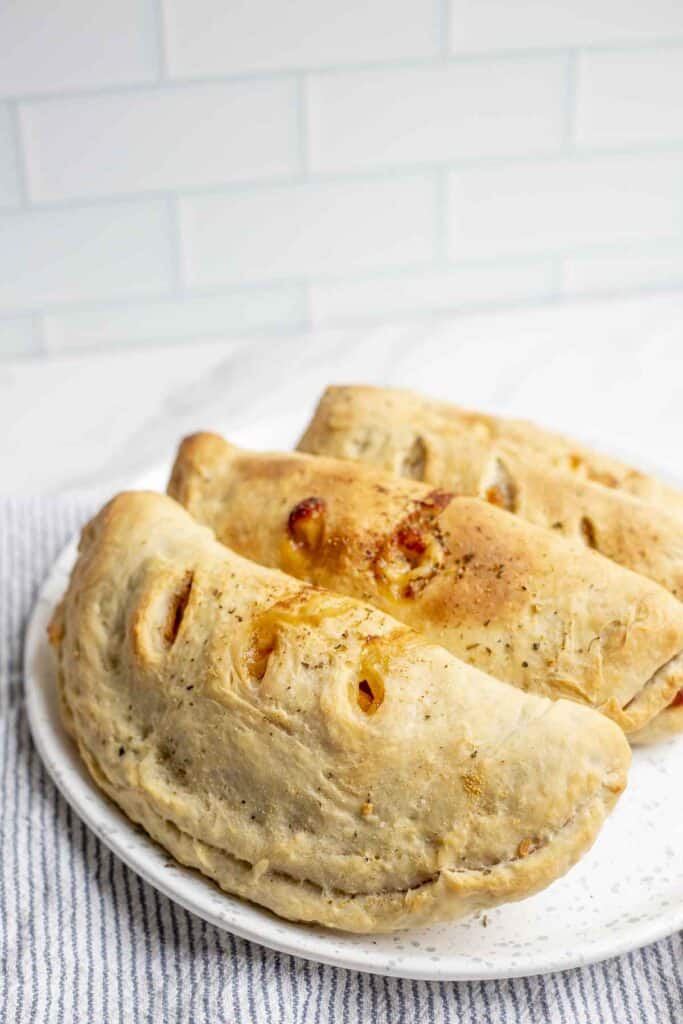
(406, 434)
(596, 501)
(558, 452)
(516, 601)
(305, 750)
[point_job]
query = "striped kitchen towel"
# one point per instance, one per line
(85, 941)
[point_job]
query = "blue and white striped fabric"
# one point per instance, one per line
(85, 941)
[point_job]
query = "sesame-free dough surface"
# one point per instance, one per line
(412, 436)
(515, 600)
(594, 500)
(305, 750)
(561, 453)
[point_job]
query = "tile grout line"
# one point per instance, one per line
(175, 238)
(159, 27)
(39, 335)
(359, 321)
(442, 200)
(670, 148)
(348, 277)
(21, 158)
(307, 289)
(444, 13)
(571, 102)
(435, 60)
(303, 126)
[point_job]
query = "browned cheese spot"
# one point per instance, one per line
(306, 523)
(370, 695)
(409, 557)
(260, 648)
(375, 662)
(303, 538)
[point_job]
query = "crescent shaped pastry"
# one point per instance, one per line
(305, 750)
(593, 500)
(558, 452)
(517, 601)
(412, 436)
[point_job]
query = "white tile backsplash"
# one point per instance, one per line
(171, 169)
(48, 46)
(558, 204)
(171, 138)
(17, 336)
(367, 119)
(619, 270)
(630, 97)
(477, 25)
(212, 37)
(9, 160)
(177, 319)
(66, 256)
(308, 230)
(402, 295)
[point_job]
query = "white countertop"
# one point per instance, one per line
(607, 371)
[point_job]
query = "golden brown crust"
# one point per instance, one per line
(561, 453)
(217, 703)
(514, 600)
(381, 427)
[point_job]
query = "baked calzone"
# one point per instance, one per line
(559, 452)
(516, 601)
(305, 750)
(631, 518)
(406, 434)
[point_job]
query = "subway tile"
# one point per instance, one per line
(430, 292)
(502, 25)
(176, 319)
(160, 139)
(17, 337)
(618, 270)
(9, 169)
(313, 229)
(630, 97)
(362, 119)
(55, 256)
(211, 37)
(556, 204)
(75, 44)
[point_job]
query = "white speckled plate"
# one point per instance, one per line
(627, 892)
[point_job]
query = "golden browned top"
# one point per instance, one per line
(547, 447)
(517, 601)
(627, 516)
